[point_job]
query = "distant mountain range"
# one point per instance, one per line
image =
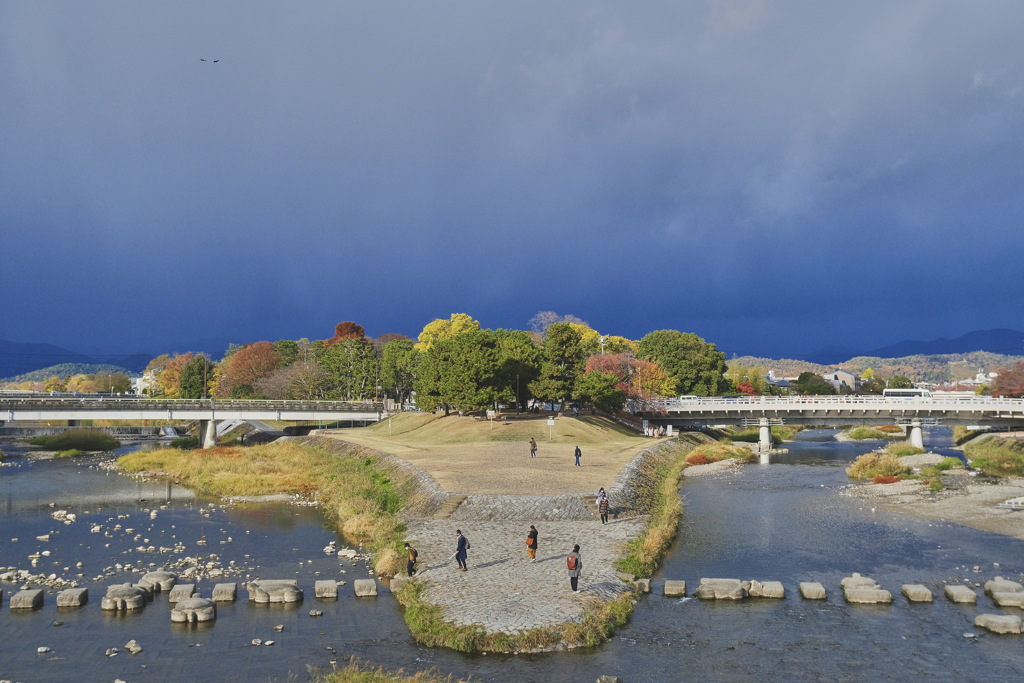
(1000, 341)
(17, 358)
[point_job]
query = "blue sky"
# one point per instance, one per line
(773, 176)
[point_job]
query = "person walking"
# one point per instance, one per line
(531, 544)
(578, 453)
(410, 566)
(461, 546)
(574, 562)
(602, 507)
(533, 447)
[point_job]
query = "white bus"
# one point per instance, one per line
(906, 394)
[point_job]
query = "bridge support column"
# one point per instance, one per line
(207, 433)
(764, 442)
(916, 434)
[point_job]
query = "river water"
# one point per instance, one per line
(786, 522)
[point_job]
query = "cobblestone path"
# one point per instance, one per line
(530, 509)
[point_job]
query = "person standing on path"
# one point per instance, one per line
(574, 562)
(410, 566)
(531, 544)
(578, 453)
(461, 546)
(602, 507)
(533, 447)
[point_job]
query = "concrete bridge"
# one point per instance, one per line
(207, 411)
(765, 411)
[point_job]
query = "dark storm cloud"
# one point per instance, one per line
(772, 176)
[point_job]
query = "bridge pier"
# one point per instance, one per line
(207, 433)
(764, 442)
(916, 434)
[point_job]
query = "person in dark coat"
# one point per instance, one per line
(531, 544)
(602, 507)
(410, 565)
(574, 562)
(578, 453)
(461, 546)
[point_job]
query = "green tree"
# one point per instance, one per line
(697, 366)
(519, 364)
(900, 382)
(398, 369)
(351, 367)
(600, 389)
(460, 371)
(287, 351)
(196, 377)
(562, 362)
(811, 384)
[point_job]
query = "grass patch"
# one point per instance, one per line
(780, 433)
(962, 434)
(871, 465)
(715, 452)
(865, 433)
(80, 439)
(901, 448)
(997, 456)
(185, 443)
(70, 453)
(355, 672)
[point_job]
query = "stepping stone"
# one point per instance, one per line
(326, 589)
(274, 590)
(194, 610)
(365, 588)
(225, 592)
(1000, 623)
(643, 584)
(812, 590)
(867, 596)
(675, 589)
(27, 599)
(858, 581)
(765, 589)
(1001, 585)
(73, 597)
(961, 594)
(917, 592)
(158, 581)
(1015, 599)
(720, 589)
(181, 592)
(124, 597)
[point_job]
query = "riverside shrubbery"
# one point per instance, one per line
(997, 456)
(871, 465)
(865, 433)
(721, 450)
(77, 439)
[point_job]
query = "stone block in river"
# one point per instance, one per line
(675, 588)
(628, 578)
(1001, 585)
(158, 581)
(720, 589)
(124, 597)
(643, 584)
(225, 592)
(1000, 623)
(917, 592)
(27, 599)
(868, 596)
(956, 593)
(1014, 599)
(765, 589)
(326, 589)
(812, 590)
(73, 597)
(858, 581)
(194, 610)
(181, 592)
(365, 588)
(274, 590)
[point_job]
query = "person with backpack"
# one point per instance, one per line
(531, 543)
(574, 563)
(461, 546)
(410, 566)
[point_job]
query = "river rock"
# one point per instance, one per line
(609, 679)
(720, 589)
(158, 581)
(917, 592)
(193, 610)
(867, 596)
(124, 596)
(133, 647)
(956, 593)
(326, 589)
(674, 588)
(29, 598)
(1001, 585)
(812, 590)
(765, 589)
(225, 592)
(73, 597)
(365, 588)
(1014, 599)
(274, 590)
(181, 592)
(1000, 623)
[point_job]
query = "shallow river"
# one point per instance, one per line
(783, 522)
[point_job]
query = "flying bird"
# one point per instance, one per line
(212, 62)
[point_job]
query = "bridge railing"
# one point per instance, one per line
(740, 402)
(129, 402)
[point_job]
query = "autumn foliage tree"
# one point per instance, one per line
(1010, 382)
(240, 371)
(346, 330)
